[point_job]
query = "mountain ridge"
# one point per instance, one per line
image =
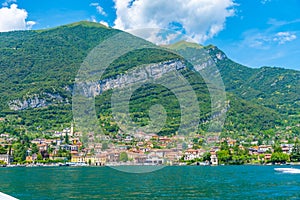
(39, 69)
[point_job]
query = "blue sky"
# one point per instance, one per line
(252, 32)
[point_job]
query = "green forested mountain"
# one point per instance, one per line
(38, 69)
(263, 98)
(275, 88)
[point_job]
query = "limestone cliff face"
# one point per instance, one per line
(152, 71)
(216, 54)
(36, 101)
(92, 89)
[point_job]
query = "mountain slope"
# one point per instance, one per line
(39, 69)
(276, 88)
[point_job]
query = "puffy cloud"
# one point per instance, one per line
(93, 19)
(99, 9)
(199, 19)
(29, 24)
(283, 37)
(7, 2)
(13, 18)
(104, 23)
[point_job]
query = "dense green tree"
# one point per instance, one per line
(39, 157)
(34, 148)
(19, 153)
(295, 155)
(279, 157)
(67, 138)
(3, 150)
(123, 157)
(206, 156)
(277, 149)
(223, 156)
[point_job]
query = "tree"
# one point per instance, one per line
(104, 146)
(224, 146)
(295, 155)
(19, 153)
(67, 138)
(223, 156)
(123, 157)
(39, 156)
(3, 150)
(279, 157)
(206, 156)
(277, 148)
(184, 146)
(34, 148)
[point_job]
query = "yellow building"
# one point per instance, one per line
(90, 160)
(77, 159)
(98, 160)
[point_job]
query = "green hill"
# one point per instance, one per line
(276, 88)
(38, 70)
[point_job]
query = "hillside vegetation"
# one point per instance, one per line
(38, 69)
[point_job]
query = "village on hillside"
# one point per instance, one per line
(66, 148)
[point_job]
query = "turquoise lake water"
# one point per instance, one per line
(184, 182)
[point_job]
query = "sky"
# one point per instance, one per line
(255, 33)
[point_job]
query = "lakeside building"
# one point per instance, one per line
(6, 158)
(213, 158)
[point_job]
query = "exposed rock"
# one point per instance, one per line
(152, 71)
(35, 101)
(220, 56)
(32, 102)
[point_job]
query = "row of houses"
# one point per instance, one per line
(262, 149)
(113, 156)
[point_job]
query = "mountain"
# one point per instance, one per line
(38, 70)
(276, 88)
(270, 91)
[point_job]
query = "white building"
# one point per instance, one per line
(6, 158)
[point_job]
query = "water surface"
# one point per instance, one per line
(184, 182)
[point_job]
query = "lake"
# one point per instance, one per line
(174, 182)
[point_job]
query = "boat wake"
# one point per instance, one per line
(288, 170)
(6, 197)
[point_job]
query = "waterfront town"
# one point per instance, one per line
(66, 148)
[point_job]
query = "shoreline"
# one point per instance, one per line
(134, 165)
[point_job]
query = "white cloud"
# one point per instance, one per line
(278, 23)
(160, 36)
(104, 23)
(265, 40)
(283, 37)
(13, 18)
(257, 40)
(199, 19)
(29, 24)
(7, 2)
(99, 9)
(93, 19)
